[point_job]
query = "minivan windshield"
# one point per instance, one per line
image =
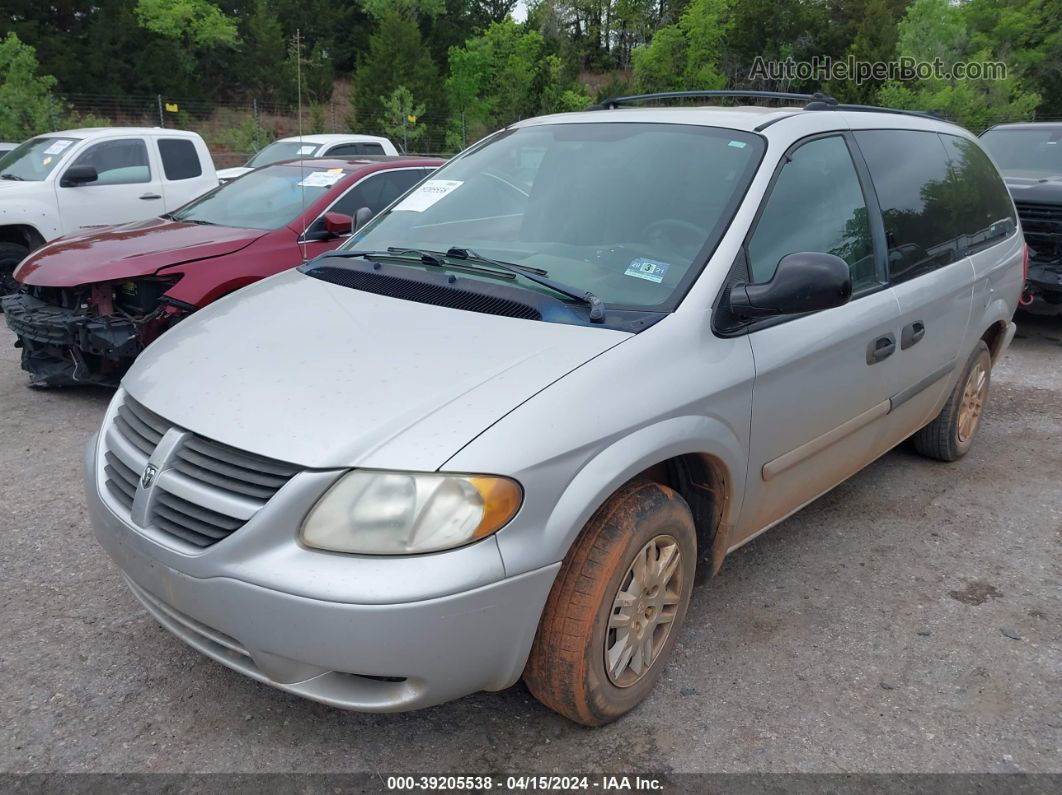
(624, 210)
(1032, 152)
(265, 199)
(282, 150)
(33, 160)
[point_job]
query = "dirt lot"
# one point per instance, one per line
(911, 620)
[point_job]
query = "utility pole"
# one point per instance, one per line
(162, 118)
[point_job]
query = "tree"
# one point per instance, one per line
(935, 29)
(263, 67)
(688, 54)
(27, 105)
(401, 117)
(874, 41)
(396, 57)
(504, 75)
(198, 23)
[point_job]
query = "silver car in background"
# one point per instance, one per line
(495, 434)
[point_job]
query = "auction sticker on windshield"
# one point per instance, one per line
(642, 268)
(56, 147)
(321, 179)
(427, 194)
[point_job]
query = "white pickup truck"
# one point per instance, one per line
(67, 182)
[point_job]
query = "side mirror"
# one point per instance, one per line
(362, 217)
(338, 224)
(79, 175)
(805, 282)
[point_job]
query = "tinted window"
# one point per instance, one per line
(816, 204)
(345, 150)
(120, 162)
(982, 210)
(179, 158)
(916, 194)
(378, 190)
(370, 149)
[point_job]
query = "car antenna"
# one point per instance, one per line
(302, 162)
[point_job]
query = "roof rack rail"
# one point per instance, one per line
(615, 102)
(816, 101)
(925, 114)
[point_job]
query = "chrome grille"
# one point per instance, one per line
(204, 491)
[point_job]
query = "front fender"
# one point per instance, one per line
(34, 213)
(530, 547)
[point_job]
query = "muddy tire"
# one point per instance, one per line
(950, 435)
(616, 608)
(11, 254)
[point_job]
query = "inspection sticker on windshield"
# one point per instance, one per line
(306, 150)
(321, 179)
(642, 268)
(56, 147)
(427, 194)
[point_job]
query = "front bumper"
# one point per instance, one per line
(368, 657)
(56, 340)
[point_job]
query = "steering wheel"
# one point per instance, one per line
(675, 234)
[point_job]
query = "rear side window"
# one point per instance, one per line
(983, 211)
(378, 190)
(816, 204)
(913, 183)
(179, 158)
(347, 150)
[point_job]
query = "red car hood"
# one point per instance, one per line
(129, 251)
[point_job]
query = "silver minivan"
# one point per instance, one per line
(496, 433)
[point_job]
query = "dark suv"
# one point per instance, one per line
(1030, 157)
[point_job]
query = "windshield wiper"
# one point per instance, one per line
(12, 177)
(199, 221)
(419, 256)
(539, 276)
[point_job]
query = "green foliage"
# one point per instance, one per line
(247, 137)
(687, 54)
(401, 117)
(198, 23)
(396, 57)
(935, 29)
(504, 75)
(378, 9)
(874, 41)
(27, 105)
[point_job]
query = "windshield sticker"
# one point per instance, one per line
(427, 194)
(56, 147)
(737, 144)
(321, 179)
(306, 150)
(641, 268)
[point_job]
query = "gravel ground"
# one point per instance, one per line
(910, 620)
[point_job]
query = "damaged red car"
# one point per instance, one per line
(89, 304)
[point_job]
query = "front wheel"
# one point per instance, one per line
(950, 435)
(616, 607)
(11, 254)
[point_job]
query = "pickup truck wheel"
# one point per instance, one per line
(951, 434)
(616, 606)
(11, 254)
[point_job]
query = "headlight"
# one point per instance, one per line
(403, 513)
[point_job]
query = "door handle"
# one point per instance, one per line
(881, 348)
(148, 196)
(911, 334)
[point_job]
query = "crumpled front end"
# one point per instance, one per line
(1042, 225)
(86, 335)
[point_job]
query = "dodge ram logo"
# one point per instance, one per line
(149, 475)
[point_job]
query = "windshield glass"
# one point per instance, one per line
(34, 159)
(282, 150)
(621, 209)
(1031, 152)
(266, 199)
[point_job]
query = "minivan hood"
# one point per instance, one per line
(128, 251)
(325, 376)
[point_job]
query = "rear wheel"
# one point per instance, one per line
(613, 616)
(950, 436)
(11, 254)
